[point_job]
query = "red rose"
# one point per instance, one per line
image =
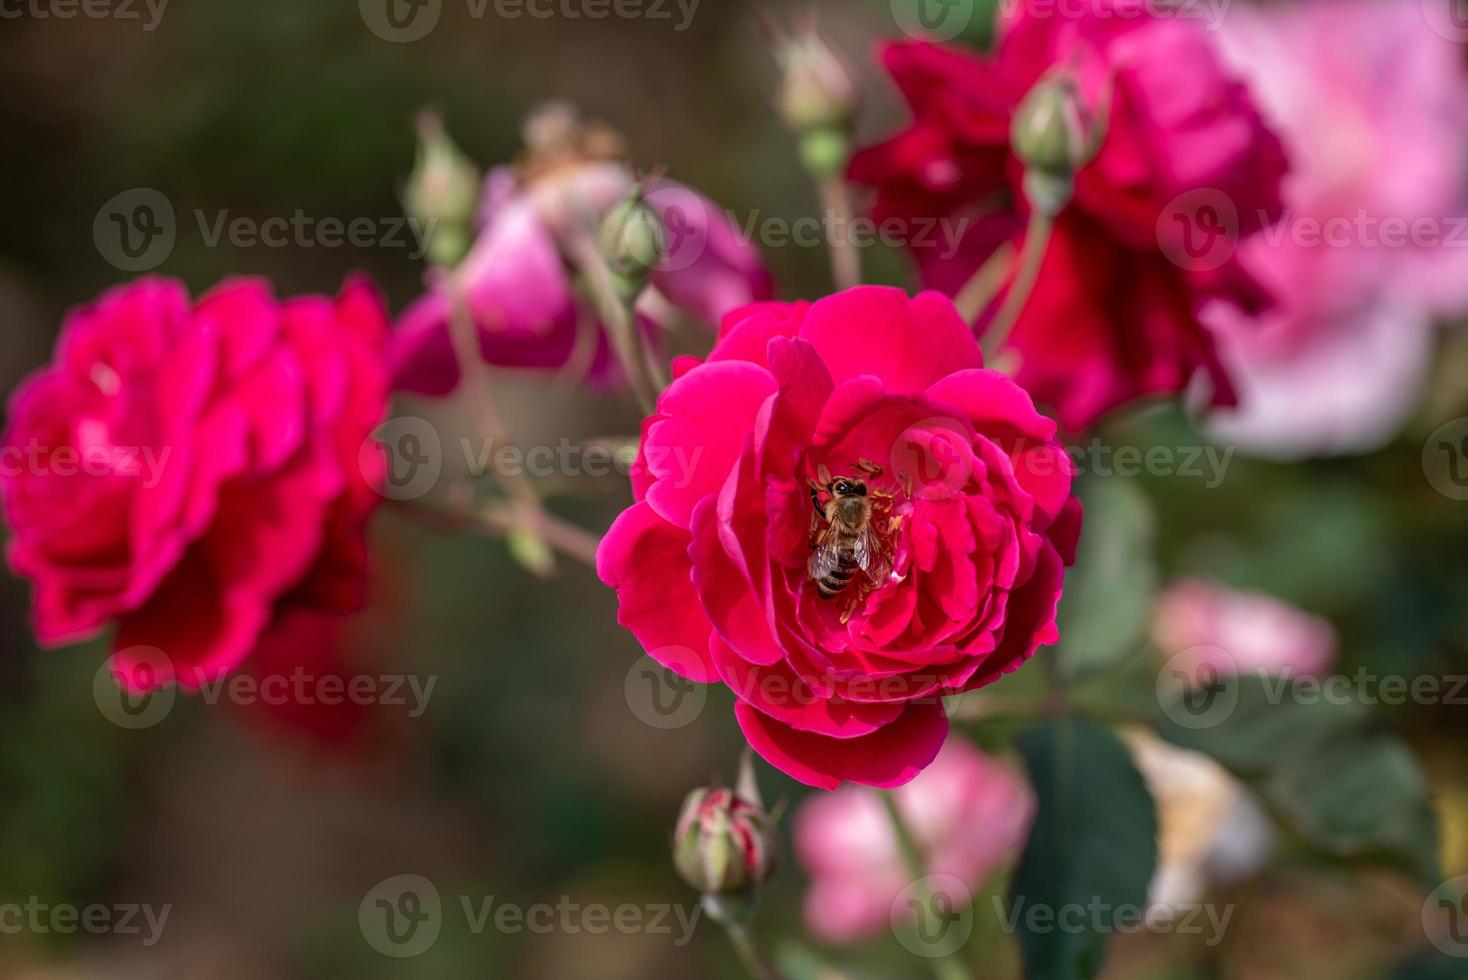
(189, 472)
(1186, 170)
(972, 522)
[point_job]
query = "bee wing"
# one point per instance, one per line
(826, 557)
(871, 559)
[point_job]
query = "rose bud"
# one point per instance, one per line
(1054, 134)
(818, 98)
(442, 192)
(819, 90)
(631, 239)
(725, 842)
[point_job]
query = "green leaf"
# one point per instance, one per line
(1350, 788)
(1091, 852)
(1108, 594)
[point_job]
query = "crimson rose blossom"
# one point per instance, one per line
(973, 515)
(1112, 317)
(191, 472)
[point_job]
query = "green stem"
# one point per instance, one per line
(845, 261)
(976, 295)
(944, 967)
(621, 322)
(733, 915)
(478, 392)
(1037, 238)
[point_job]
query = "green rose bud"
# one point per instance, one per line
(632, 240)
(442, 192)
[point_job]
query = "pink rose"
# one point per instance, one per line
(972, 523)
(190, 472)
(968, 813)
(524, 298)
(1375, 115)
(1113, 316)
(1206, 630)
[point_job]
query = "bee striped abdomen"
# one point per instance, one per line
(835, 583)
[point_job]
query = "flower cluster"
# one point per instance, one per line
(1115, 315)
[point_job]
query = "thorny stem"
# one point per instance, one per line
(944, 967)
(1037, 238)
(845, 260)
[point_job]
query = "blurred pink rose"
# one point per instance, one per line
(1207, 630)
(193, 471)
(519, 287)
(1374, 112)
(969, 812)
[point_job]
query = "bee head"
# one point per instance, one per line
(848, 488)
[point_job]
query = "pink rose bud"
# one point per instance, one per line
(442, 191)
(725, 843)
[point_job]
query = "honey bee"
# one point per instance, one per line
(844, 540)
